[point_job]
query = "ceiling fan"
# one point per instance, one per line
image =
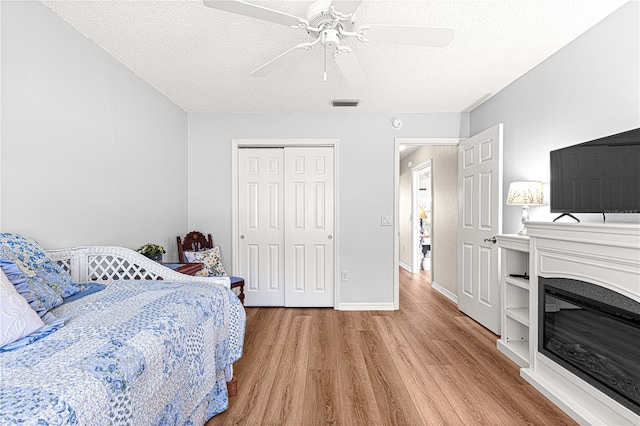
(330, 22)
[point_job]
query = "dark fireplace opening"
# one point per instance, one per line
(593, 332)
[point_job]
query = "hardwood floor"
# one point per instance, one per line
(425, 364)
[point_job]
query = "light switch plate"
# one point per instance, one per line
(386, 220)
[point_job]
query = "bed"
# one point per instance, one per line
(141, 344)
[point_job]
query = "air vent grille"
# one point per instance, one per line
(345, 102)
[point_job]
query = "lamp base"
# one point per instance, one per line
(525, 218)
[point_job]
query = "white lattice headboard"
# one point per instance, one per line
(107, 263)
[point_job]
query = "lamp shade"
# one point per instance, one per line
(423, 214)
(525, 193)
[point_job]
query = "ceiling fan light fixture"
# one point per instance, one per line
(345, 102)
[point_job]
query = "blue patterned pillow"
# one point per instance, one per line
(34, 262)
(40, 296)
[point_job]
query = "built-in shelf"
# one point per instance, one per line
(514, 341)
(519, 314)
(519, 282)
(517, 350)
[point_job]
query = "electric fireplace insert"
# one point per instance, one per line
(593, 332)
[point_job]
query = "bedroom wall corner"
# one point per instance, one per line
(91, 154)
(587, 90)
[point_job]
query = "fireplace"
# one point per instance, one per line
(593, 332)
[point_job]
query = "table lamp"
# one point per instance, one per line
(422, 214)
(524, 194)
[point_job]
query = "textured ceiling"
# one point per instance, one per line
(201, 58)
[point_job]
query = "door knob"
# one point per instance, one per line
(242, 237)
(330, 237)
(491, 240)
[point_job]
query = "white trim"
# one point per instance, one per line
(366, 307)
(396, 224)
(404, 266)
(263, 143)
(277, 143)
(396, 203)
(429, 141)
(444, 291)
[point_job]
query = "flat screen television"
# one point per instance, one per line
(599, 176)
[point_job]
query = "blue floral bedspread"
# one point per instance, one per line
(135, 353)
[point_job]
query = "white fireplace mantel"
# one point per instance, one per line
(604, 254)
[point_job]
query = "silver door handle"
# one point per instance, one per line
(242, 237)
(491, 240)
(330, 237)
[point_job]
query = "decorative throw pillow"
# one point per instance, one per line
(33, 261)
(17, 318)
(212, 265)
(40, 296)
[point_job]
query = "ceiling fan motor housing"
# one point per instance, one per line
(330, 39)
(319, 16)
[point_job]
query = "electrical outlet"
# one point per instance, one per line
(344, 276)
(386, 220)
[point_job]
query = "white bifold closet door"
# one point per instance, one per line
(286, 226)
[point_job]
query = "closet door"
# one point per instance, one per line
(260, 224)
(309, 226)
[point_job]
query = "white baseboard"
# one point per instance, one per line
(404, 266)
(444, 291)
(365, 307)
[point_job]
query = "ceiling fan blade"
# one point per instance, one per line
(422, 36)
(346, 7)
(352, 71)
(254, 11)
(279, 61)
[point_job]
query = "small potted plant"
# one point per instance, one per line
(152, 251)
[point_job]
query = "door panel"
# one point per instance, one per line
(261, 243)
(309, 230)
(480, 186)
(286, 254)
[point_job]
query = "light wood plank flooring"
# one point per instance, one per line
(425, 364)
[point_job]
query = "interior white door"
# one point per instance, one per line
(261, 225)
(309, 227)
(479, 220)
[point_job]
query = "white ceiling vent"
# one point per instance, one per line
(345, 102)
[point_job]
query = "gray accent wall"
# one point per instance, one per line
(588, 89)
(366, 185)
(91, 154)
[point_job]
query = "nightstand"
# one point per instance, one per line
(184, 268)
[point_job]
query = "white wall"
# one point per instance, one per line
(91, 154)
(589, 89)
(444, 172)
(366, 170)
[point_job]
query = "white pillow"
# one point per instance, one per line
(17, 318)
(189, 256)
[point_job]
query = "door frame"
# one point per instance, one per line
(236, 144)
(396, 202)
(415, 221)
